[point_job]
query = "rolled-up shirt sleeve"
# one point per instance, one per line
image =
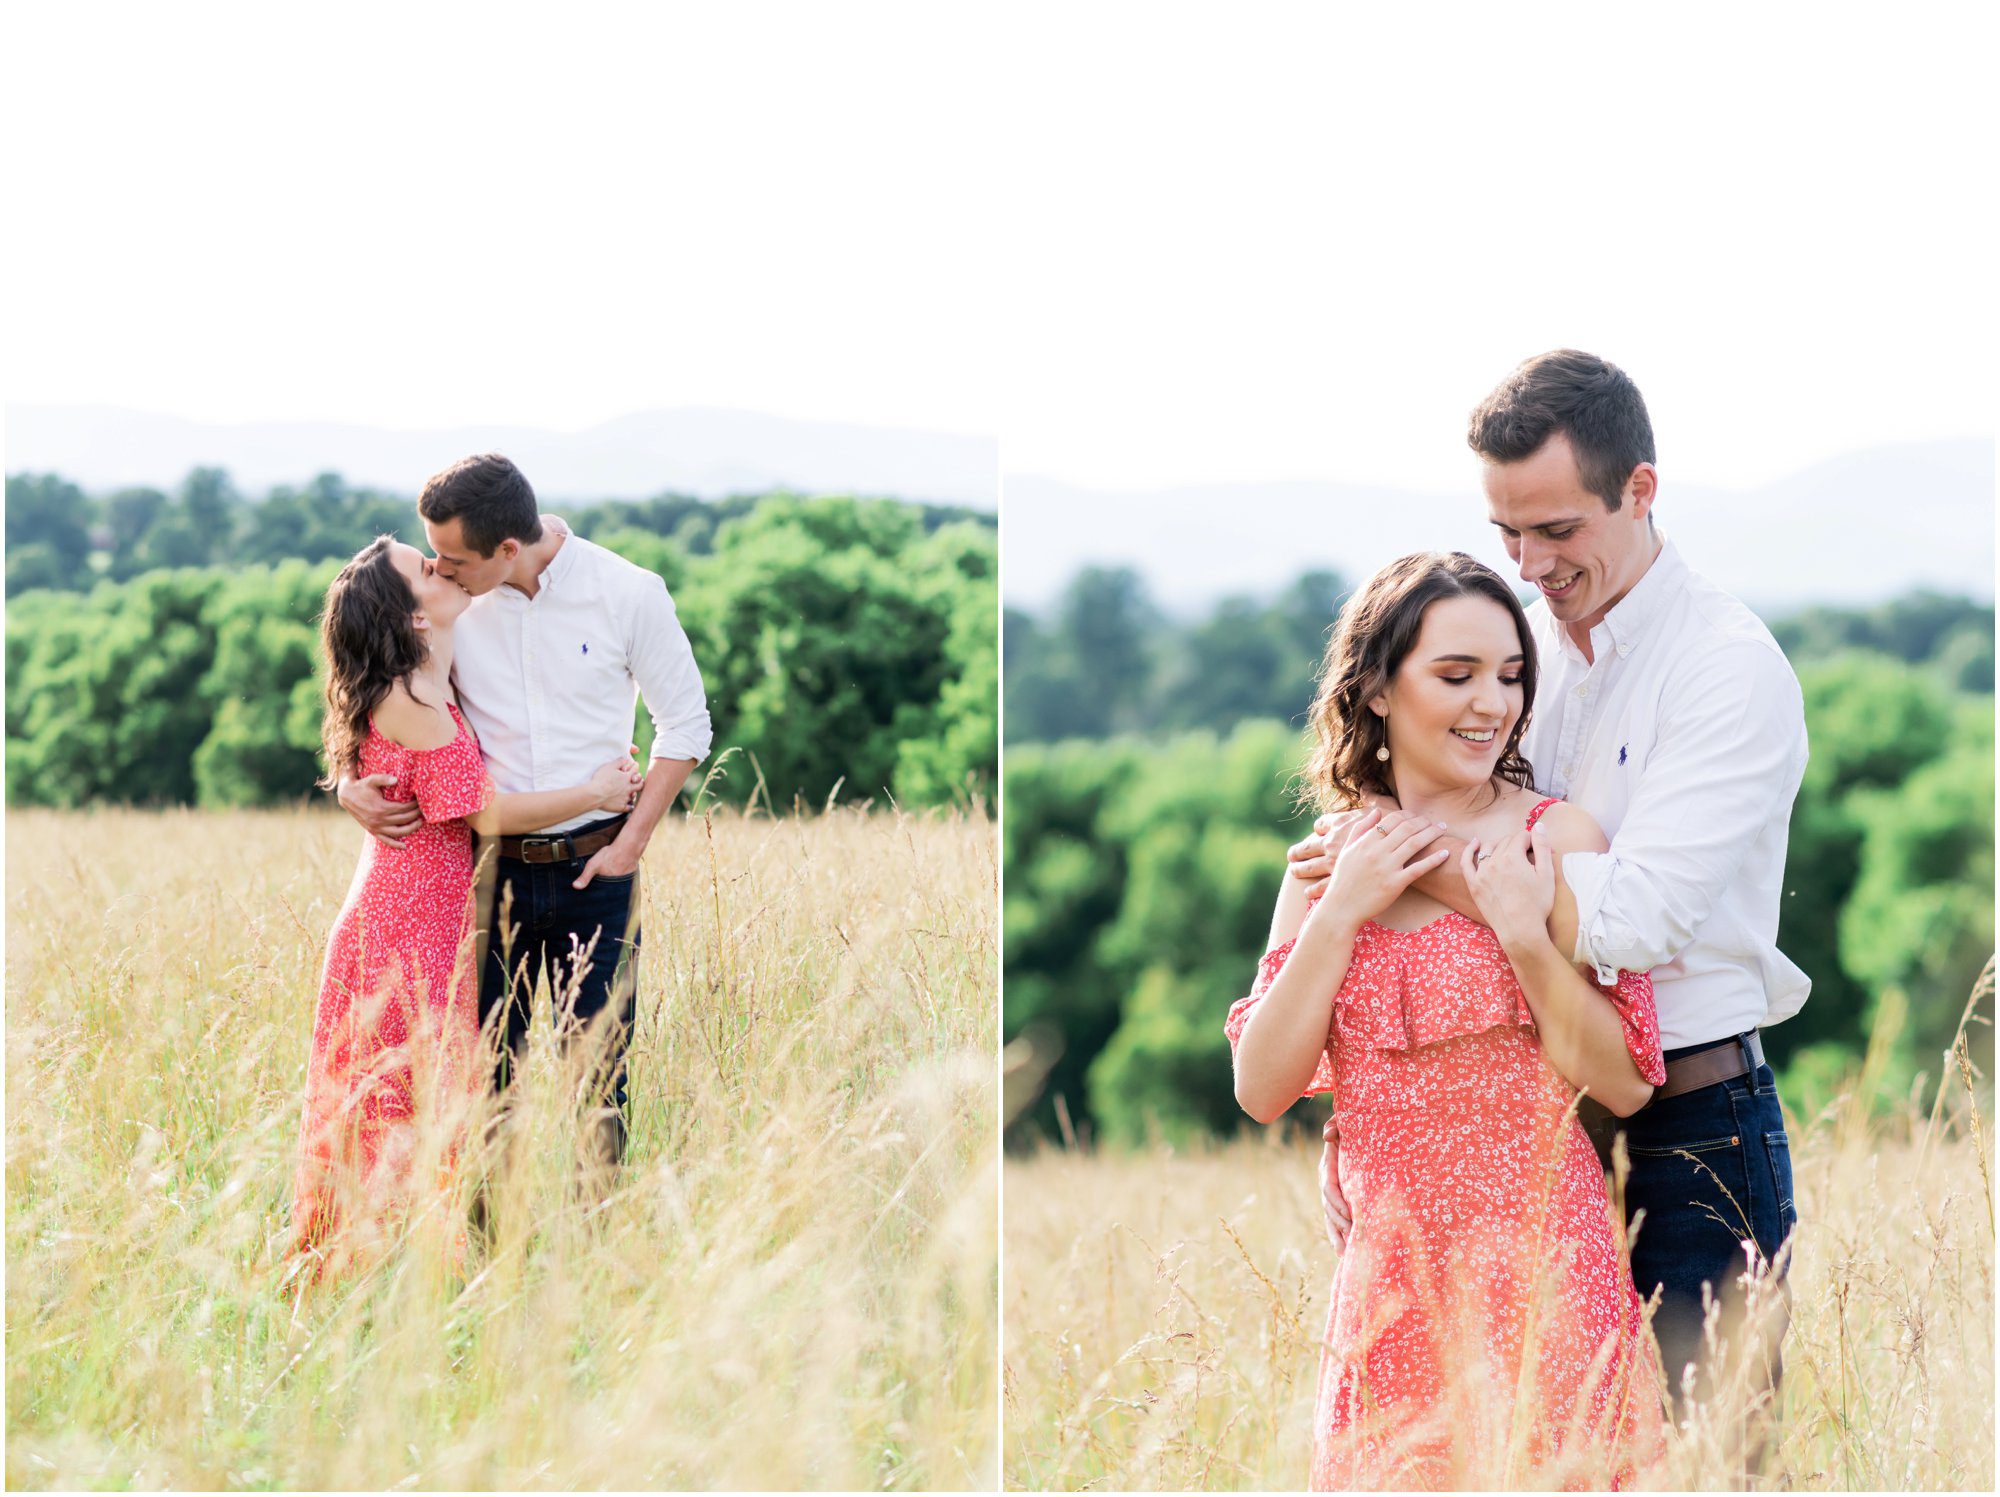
(663, 665)
(1731, 744)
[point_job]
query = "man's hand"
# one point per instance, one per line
(387, 821)
(614, 860)
(1313, 858)
(1339, 1220)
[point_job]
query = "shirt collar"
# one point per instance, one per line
(1620, 631)
(562, 563)
(1634, 615)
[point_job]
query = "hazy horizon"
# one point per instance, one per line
(1816, 535)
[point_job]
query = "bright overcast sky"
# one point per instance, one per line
(414, 215)
(1300, 244)
(1152, 245)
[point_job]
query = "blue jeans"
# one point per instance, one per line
(548, 927)
(1711, 1170)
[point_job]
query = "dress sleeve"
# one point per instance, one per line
(451, 781)
(1267, 973)
(1632, 996)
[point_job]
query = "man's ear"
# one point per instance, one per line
(1641, 488)
(509, 549)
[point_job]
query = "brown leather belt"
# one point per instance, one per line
(564, 847)
(1738, 1057)
(1723, 1062)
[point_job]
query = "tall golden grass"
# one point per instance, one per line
(792, 1283)
(1163, 1311)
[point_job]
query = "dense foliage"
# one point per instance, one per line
(848, 645)
(1141, 868)
(1106, 659)
(62, 538)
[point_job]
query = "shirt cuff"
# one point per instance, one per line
(1599, 934)
(681, 744)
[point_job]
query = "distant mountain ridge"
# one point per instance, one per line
(709, 453)
(1857, 528)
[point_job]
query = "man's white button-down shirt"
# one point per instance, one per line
(1685, 737)
(549, 682)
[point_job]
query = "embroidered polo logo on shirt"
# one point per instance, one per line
(1621, 756)
(1621, 747)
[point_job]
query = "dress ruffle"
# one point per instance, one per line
(1239, 1015)
(1408, 989)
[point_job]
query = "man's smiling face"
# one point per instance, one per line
(1580, 556)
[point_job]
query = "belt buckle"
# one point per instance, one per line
(541, 849)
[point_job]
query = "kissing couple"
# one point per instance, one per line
(479, 711)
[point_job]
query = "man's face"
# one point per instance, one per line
(1581, 556)
(459, 563)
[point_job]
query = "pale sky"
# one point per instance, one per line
(1265, 244)
(1149, 245)
(422, 215)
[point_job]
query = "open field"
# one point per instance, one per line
(792, 1286)
(1163, 1311)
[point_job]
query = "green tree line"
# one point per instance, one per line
(1106, 659)
(1141, 867)
(62, 538)
(848, 647)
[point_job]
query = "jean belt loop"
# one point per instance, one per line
(1749, 1056)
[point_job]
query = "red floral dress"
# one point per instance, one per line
(396, 1032)
(1484, 1329)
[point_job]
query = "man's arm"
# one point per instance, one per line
(663, 782)
(1731, 746)
(662, 663)
(387, 821)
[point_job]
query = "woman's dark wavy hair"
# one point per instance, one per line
(1377, 630)
(370, 644)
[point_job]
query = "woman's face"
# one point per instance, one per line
(438, 599)
(1457, 695)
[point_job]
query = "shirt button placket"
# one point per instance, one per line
(533, 675)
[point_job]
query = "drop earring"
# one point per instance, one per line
(1382, 753)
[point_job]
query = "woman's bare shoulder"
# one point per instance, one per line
(411, 723)
(1570, 828)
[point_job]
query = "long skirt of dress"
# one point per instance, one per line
(1484, 1330)
(394, 1068)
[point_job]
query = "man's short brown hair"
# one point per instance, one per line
(489, 497)
(1589, 400)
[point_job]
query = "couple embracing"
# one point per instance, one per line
(479, 707)
(1541, 911)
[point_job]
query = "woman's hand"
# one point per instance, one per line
(1311, 859)
(1384, 855)
(1514, 884)
(616, 784)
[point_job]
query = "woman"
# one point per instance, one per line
(395, 1052)
(1484, 1328)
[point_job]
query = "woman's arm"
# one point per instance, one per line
(1286, 1031)
(1533, 913)
(509, 813)
(424, 725)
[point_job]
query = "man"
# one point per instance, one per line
(1667, 711)
(561, 637)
